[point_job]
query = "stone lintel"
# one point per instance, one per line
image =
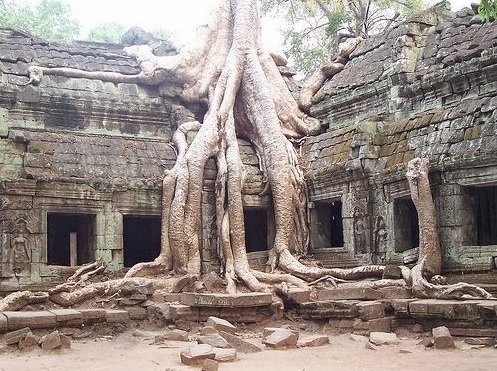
(226, 300)
(349, 293)
(33, 320)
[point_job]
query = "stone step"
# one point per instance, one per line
(242, 300)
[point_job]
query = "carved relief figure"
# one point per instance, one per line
(19, 256)
(360, 240)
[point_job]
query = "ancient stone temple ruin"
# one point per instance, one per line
(82, 160)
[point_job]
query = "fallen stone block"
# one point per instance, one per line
(269, 330)
(65, 341)
(380, 338)
(221, 324)
(214, 340)
(296, 296)
(281, 339)
(213, 282)
(255, 299)
(371, 310)
(442, 338)
(240, 345)
(197, 354)
(225, 355)
(13, 337)
(484, 341)
(315, 340)
(208, 330)
(33, 320)
(210, 365)
(426, 342)
(174, 335)
(50, 341)
(348, 293)
(28, 340)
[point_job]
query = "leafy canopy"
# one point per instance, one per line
(488, 10)
(49, 19)
(313, 27)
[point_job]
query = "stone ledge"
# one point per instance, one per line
(226, 300)
(33, 320)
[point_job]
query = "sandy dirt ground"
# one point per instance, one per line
(126, 352)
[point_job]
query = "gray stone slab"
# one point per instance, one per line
(349, 293)
(33, 320)
(68, 317)
(226, 300)
(3, 323)
(117, 316)
(91, 316)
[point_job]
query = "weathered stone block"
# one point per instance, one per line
(442, 338)
(329, 309)
(196, 355)
(68, 317)
(214, 340)
(314, 340)
(240, 345)
(297, 296)
(175, 335)
(379, 338)
(210, 365)
(371, 310)
(183, 312)
(395, 292)
(28, 340)
(280, 339)
(225, 355)
(221, 324)
(353, 293)
(374, 325)
(226, 300)
(3, 323)
(116, 316)
(33, 320)
(137, 313)
(401, 306)
(51, 341)
(13, 337)
(91, 316)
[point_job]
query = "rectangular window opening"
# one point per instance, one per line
(70, 239)
(406, 225)
(141, 239)
(256, 229)
(327, 225)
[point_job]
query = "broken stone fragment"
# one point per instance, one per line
(315, 340)
(442, 338)
(214, 340)
(197, 354)
(210, 365)
(208, 330)
(427, 343)
(221, 324)
(13, 337)
(28, 340)
(281, 339)
(380, 338)
(225, 355)
(175, 335)
(483, 341)
(50, 341)
(240, 345)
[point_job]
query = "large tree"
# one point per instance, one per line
(246, 97)
(313, 28)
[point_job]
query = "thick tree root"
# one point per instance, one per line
(19, 299)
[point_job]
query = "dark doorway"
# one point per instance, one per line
(486, 215)
(327, 225)
(70, 239)
(256, 238)
(141, 239)
(406, 225)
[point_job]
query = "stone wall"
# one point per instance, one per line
(427, 88)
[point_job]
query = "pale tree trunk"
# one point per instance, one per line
(430, 256)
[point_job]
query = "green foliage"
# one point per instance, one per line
(50, 19)
(106, 33)
(488, 10)
(312, 26)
